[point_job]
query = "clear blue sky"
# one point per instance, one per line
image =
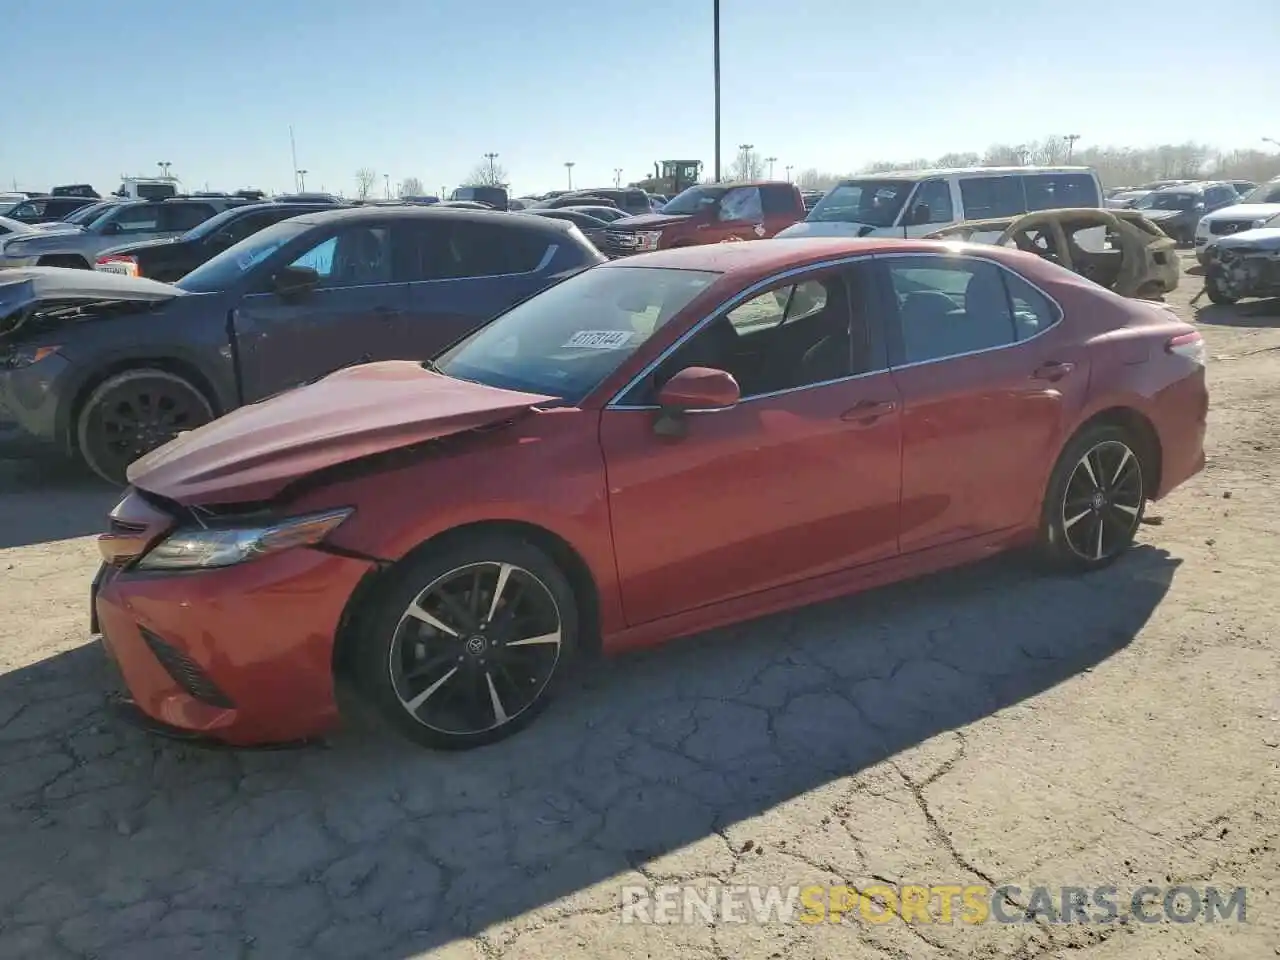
(425, 87)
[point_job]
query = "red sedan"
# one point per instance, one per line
(653, 447)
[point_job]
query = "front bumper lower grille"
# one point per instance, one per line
(186, 672)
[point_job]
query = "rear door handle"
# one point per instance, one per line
(1052, 371)
(869, 411)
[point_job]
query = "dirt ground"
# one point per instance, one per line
(987, 726)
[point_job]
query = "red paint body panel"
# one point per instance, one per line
(775, 502)
(262, 632)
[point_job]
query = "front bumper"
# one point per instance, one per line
(242, 655)
(29, 395)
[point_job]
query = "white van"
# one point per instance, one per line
(147, 188)
(912, 203)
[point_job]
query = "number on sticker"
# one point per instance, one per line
(600, 339)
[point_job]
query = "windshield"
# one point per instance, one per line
(564, 341)
(873, 202)
(1168, 201)
(231, 264)
(694, 199)
(1267, 193)
(86, 215)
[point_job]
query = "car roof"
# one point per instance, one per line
(964, 171)
(748, 262)
(436, 211)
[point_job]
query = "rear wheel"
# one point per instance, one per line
(464, 647)
(1095, 501)
(131, 413)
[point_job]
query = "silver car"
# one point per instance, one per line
(126, 223)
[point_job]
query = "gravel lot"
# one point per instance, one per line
(989, 725)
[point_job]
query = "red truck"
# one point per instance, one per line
(709, 213)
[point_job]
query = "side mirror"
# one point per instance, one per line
(294, 281)
(696, 389)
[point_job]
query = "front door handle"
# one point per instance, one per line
(1052, 371)
(868, 411)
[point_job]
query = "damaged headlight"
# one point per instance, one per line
(205, 548)
(19, 357)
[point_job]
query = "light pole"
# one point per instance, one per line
(770, 161)
(164, 166)
(302, 181)
(568, 165)
(617, 176)
(1271, 140)
(1071, 139)
(386, 180)
(790, 167)
(293, 149)
(715, 25)
(746, 149)
(493, 169)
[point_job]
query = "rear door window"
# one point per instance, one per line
(1053, 191)
(986, 197)
(457, 251)
(144, 218)
(181, 217)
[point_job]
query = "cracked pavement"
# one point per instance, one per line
(988, 725)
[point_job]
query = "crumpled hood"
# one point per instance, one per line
(252, 453)
(648, 221)
(1266, 238)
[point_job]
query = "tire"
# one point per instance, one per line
(131, 413)
(469, 691)
(71, 262)
(1109, 492)
(1216, 289)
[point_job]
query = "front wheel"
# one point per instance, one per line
(1215, 285)
(131, 413)
(464, 647)
(1095, 500)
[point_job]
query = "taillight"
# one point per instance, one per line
(120, 264)
(1189, 345)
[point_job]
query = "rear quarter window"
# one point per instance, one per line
(987, 197)
(1033, 312)
(1050, 191)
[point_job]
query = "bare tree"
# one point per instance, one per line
(411, 187)
(747, 166)
(366, 177)
(965, 159)
(488, 175)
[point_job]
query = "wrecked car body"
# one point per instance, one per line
(1118, 249)
(1246, 264)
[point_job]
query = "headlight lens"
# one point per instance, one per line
(202, 549)
(648, 239)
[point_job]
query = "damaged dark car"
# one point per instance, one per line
(1245, 264)
(109, 367)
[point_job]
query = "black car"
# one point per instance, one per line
(1176, 210)
(631, 199)
(109, 367)
(496, 198)
(47, 209)
(171, 259)
(592, 227)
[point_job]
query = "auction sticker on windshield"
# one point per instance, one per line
(601, 339)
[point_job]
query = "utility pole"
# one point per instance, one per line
(386, 179)
(746, 149)
(293, 149)
(302, 181)
(715, 17)
(770, 161)
(790, 167)
(1071, 139)
(568, 165)
(617, 176)
(493, 169)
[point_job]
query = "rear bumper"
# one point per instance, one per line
(1180, 414)
(241, 655)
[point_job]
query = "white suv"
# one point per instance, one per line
(1254, 209)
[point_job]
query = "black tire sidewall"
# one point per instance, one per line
(376, 627)
(87, 430)
(1053, 543)
(1213, 287)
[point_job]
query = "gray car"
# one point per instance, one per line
(127, 222)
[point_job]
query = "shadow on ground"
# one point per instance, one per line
(1248, 313)
(45, 497)
(115, 843)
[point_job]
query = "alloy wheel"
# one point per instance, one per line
(137, 419)
(476, 648)
(1102, 504)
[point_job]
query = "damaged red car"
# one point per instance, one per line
(651, 448)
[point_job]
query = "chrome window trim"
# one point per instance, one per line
(756, 288)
